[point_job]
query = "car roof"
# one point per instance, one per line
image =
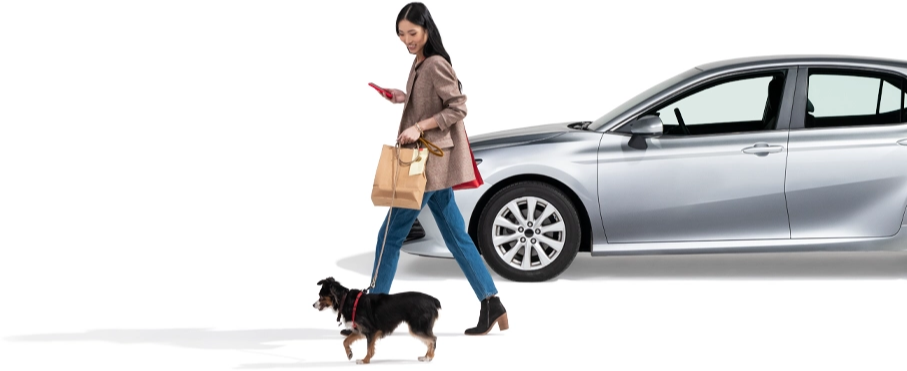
(800, 59)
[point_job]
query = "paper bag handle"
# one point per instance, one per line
(437, 150)
(400, 159)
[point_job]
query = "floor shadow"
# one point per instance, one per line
(350, 363)
(806, 265)
(409, 267)
(786, 266)
(198, 338)
(190, 337)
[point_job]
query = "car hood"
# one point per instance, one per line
(530, 134)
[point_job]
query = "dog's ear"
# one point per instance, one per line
(326, 280)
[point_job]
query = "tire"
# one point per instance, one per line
(507, 257)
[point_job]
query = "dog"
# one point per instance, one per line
(374, 316)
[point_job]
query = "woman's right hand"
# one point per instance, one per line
(399, 96)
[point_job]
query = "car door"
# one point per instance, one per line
(717, 172)
(847, 161)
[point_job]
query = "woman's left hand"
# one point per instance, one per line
(411, 134)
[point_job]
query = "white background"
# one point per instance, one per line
(175, 177)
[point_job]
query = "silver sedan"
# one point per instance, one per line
(767, 154)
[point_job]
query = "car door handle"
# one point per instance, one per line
(903, 142)
(762, 149)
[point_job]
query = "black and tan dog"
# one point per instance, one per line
(374, 316)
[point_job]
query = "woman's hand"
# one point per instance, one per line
(411, 134)
(399, 96)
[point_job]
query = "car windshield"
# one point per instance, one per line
(642, 97)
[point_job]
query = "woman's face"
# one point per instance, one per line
(413, 36)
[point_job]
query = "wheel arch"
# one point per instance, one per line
(585, 244)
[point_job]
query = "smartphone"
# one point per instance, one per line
(386, 92)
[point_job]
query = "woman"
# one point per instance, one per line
(434, 109)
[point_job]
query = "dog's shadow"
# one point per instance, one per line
(780, 266)
(194, 338)
(207, 339)
(197, 338)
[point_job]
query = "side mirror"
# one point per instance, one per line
(645, 127)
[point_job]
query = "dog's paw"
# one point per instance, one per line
(349, 355)
(361, 362)
(424, 359)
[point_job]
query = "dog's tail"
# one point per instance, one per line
(437, 304)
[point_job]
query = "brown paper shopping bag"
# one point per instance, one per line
(394, 185)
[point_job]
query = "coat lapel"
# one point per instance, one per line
(409, 83)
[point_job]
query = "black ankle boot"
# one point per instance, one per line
(492, 312)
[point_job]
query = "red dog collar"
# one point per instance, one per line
(355, 304)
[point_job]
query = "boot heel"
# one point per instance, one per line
(502, 322)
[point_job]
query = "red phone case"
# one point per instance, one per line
(386, 93)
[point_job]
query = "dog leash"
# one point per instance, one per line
(437, 152)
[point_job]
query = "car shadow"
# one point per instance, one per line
(768, 266)
(745, 266)
(409, 267)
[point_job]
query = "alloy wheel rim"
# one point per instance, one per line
(528, 233)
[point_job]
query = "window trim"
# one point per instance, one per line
(798, 114)
(714, 84)
(783, 121)
(784, 117)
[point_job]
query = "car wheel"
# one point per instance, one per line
(529, 231)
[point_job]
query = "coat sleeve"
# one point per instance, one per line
(444, 81)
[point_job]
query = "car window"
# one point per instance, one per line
(839, 98)
(642, 97)
(735, 101)
(891, 98)
(744, 104)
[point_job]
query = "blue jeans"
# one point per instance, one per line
(453, 230)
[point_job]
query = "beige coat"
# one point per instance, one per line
(432, 91)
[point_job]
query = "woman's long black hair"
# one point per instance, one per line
(418, 14)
